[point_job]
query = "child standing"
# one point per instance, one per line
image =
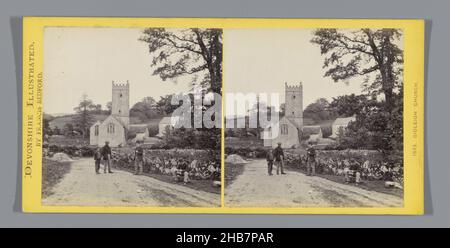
(269, 158)
(97, 159)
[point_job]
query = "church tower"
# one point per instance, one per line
(294, 104)
(121, 102)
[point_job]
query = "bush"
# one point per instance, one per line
(249, 152)
(73, 151)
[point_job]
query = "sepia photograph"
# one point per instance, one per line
(129, 117)
(222, 116)
(313, 118)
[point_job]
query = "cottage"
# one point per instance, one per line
(312, 133)
(165, 125)
(340, 124)
(139, 132)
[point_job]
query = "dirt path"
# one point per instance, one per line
(254, 188)
(82, 187)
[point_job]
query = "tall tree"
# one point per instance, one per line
(145, 109)
(164, 105)
(349, 105)
(188, 52)
(318, 110)
(181, 52)
(84, 119)
(373, 53)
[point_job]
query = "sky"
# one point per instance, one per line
(262, 60)
(83, 60)
(80, 60)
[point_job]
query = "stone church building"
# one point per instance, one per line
(291, 124)
(116, 126)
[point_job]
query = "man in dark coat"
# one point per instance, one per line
(106, 154)
(278, 154)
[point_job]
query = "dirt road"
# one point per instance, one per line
(82, 187)
(254, 188)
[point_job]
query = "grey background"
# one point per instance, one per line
(437, 183)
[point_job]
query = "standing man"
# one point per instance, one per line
(269, 158)
(138, 159)
(106, 153)
(279, 158)
(310, 160)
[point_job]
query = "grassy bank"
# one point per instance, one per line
(52, 173)
(232, 171)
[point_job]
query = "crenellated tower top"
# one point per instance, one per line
(120, 85)
(293, 87)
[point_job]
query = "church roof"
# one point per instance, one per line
(310, 130)
(168, 120)
(117, 119)
(137, 128)
(112, 117)
(344, 121)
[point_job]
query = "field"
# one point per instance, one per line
(61, 121)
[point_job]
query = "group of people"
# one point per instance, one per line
(104, 154)
(277, 157)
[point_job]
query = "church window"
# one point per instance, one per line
(284, 129)
(120, 95)
(96, 130)
(293, 97)
(293, 113)
(111, 128)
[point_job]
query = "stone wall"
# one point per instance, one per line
(200, 163)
